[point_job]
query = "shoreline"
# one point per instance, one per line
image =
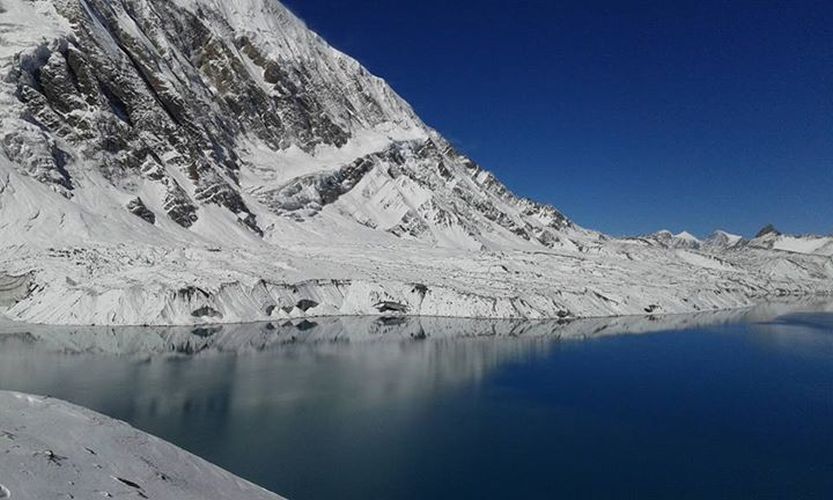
(788, 299)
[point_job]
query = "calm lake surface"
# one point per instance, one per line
(726, 405)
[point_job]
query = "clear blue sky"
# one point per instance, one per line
(628, 116)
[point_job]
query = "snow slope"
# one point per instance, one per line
(202, 161)
(667, 239)
(56, 450)
(818, 245)
(721, 241)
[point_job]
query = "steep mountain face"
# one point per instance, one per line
(185, 161)
(172, 102)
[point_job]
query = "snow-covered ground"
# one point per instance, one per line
(51, 449)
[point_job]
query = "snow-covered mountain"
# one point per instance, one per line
(183, 161)
(722, 240)
(667, 239)
(178, 108)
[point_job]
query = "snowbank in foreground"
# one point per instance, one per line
(52, 449)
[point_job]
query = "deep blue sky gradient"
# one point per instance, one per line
(629, 116)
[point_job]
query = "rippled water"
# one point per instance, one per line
(728, 405)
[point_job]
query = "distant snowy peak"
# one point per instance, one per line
(668, 239)
(721, 240)
(168, 110)
(806, 244)
(686, 236)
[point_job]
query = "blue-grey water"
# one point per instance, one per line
(738, 405)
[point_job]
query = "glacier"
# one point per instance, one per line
(204, 161)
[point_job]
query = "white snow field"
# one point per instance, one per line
(817, 245)
(55, 450)
(207, 161)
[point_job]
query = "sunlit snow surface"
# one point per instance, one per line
(56, 450)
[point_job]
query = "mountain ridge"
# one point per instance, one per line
(768, 238)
